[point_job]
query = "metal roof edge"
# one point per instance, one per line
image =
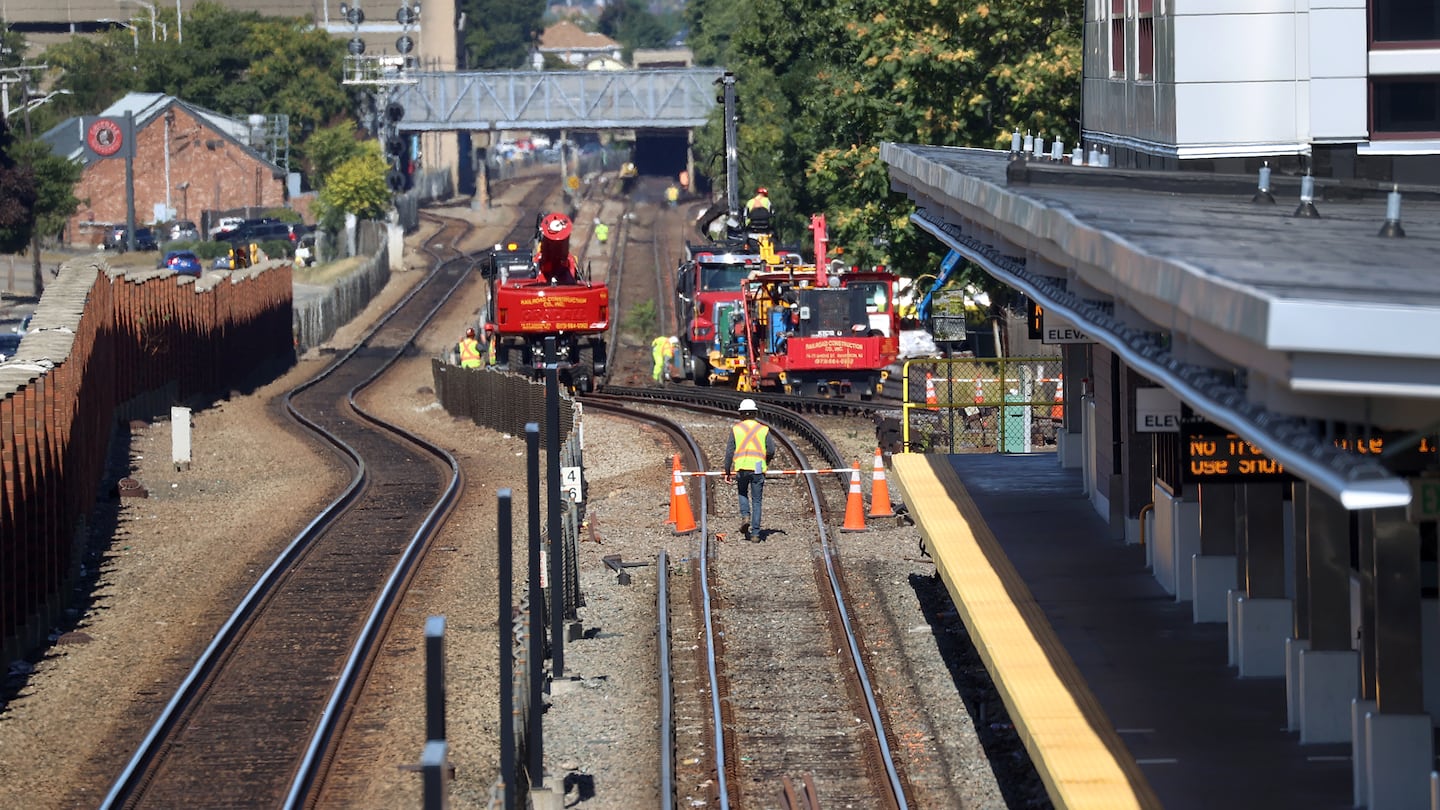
(1357, 482)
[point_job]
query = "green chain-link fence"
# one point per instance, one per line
(982, 405)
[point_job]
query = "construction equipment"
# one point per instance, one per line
(543, 294)
(818, 329)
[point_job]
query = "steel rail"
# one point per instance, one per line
(195, 680)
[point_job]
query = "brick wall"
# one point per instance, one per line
(220, 174)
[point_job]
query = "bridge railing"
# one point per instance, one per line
(673, 98)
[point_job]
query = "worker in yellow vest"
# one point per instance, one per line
(602, 232)
(661, 350)
(469, 350)
(747, 457)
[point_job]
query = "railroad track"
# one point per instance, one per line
(256, 719)
(786, 708)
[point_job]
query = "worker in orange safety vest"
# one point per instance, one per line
(747, 456)
(469, 350)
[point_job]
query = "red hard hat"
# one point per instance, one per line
(761, 190)
(470, 332)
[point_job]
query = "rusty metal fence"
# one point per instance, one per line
(982, 405)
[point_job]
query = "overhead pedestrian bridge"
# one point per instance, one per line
(668, 98)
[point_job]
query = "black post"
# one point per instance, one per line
(505, 561)
(435, 678)
(552, 486)
(534, 743)
(432, 775)
(130, 183)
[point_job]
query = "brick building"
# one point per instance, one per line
(188, 161)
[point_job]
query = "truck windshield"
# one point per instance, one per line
(722, 277)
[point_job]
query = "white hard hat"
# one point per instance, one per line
(748, 405)
(675, 340)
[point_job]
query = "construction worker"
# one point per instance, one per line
(661, 350)
(672, 195)
(672, 363)
(747, 455)
(757, 211)
(469, 349)
(602, 232)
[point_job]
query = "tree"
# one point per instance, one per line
(631, 24)
(823, 85)
(356, 186)
(55, 180)
(330, 147)
(499, 33)
(17, 197)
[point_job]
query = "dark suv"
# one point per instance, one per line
(265, 232)
(117, 239)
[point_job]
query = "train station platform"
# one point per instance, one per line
(1121, 699)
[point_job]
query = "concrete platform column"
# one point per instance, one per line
(1213, 568)
(1400, 758)
(1329, 672)
(1264, 615)
(1293, 648)
(1069, 439)
(1400, 742)
(1325, 687)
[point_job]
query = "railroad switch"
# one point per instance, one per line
(614, 563)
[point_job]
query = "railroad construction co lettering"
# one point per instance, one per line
(552, 301)
(834, 352)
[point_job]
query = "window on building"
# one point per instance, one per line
(1145, 42)
(1117, 38)
(1407, 21)
(1407, 107)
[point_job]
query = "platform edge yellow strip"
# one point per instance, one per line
(1076, 751)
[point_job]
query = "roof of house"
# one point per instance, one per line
(567, 36)
(67, 138)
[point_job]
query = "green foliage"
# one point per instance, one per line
(208, 251)
(499, 33)
(55, 179)
(823, 85)
(17, 197)
(356, 186)
(642, 320)
(329, 147)
(631, 24)
(12, 46)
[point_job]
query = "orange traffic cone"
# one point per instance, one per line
(880, 490)
(680, 503)
(854, 504)
(930, 398)
(979, 390)
(1057, 411)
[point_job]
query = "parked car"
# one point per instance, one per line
(226, 225)
(259, 232)
(184, 231)
(117, 239)
(9, 342)
(183, 262)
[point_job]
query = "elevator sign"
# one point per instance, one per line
(1156, 411)
(1048, 328)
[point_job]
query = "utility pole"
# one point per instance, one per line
(23, 76)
